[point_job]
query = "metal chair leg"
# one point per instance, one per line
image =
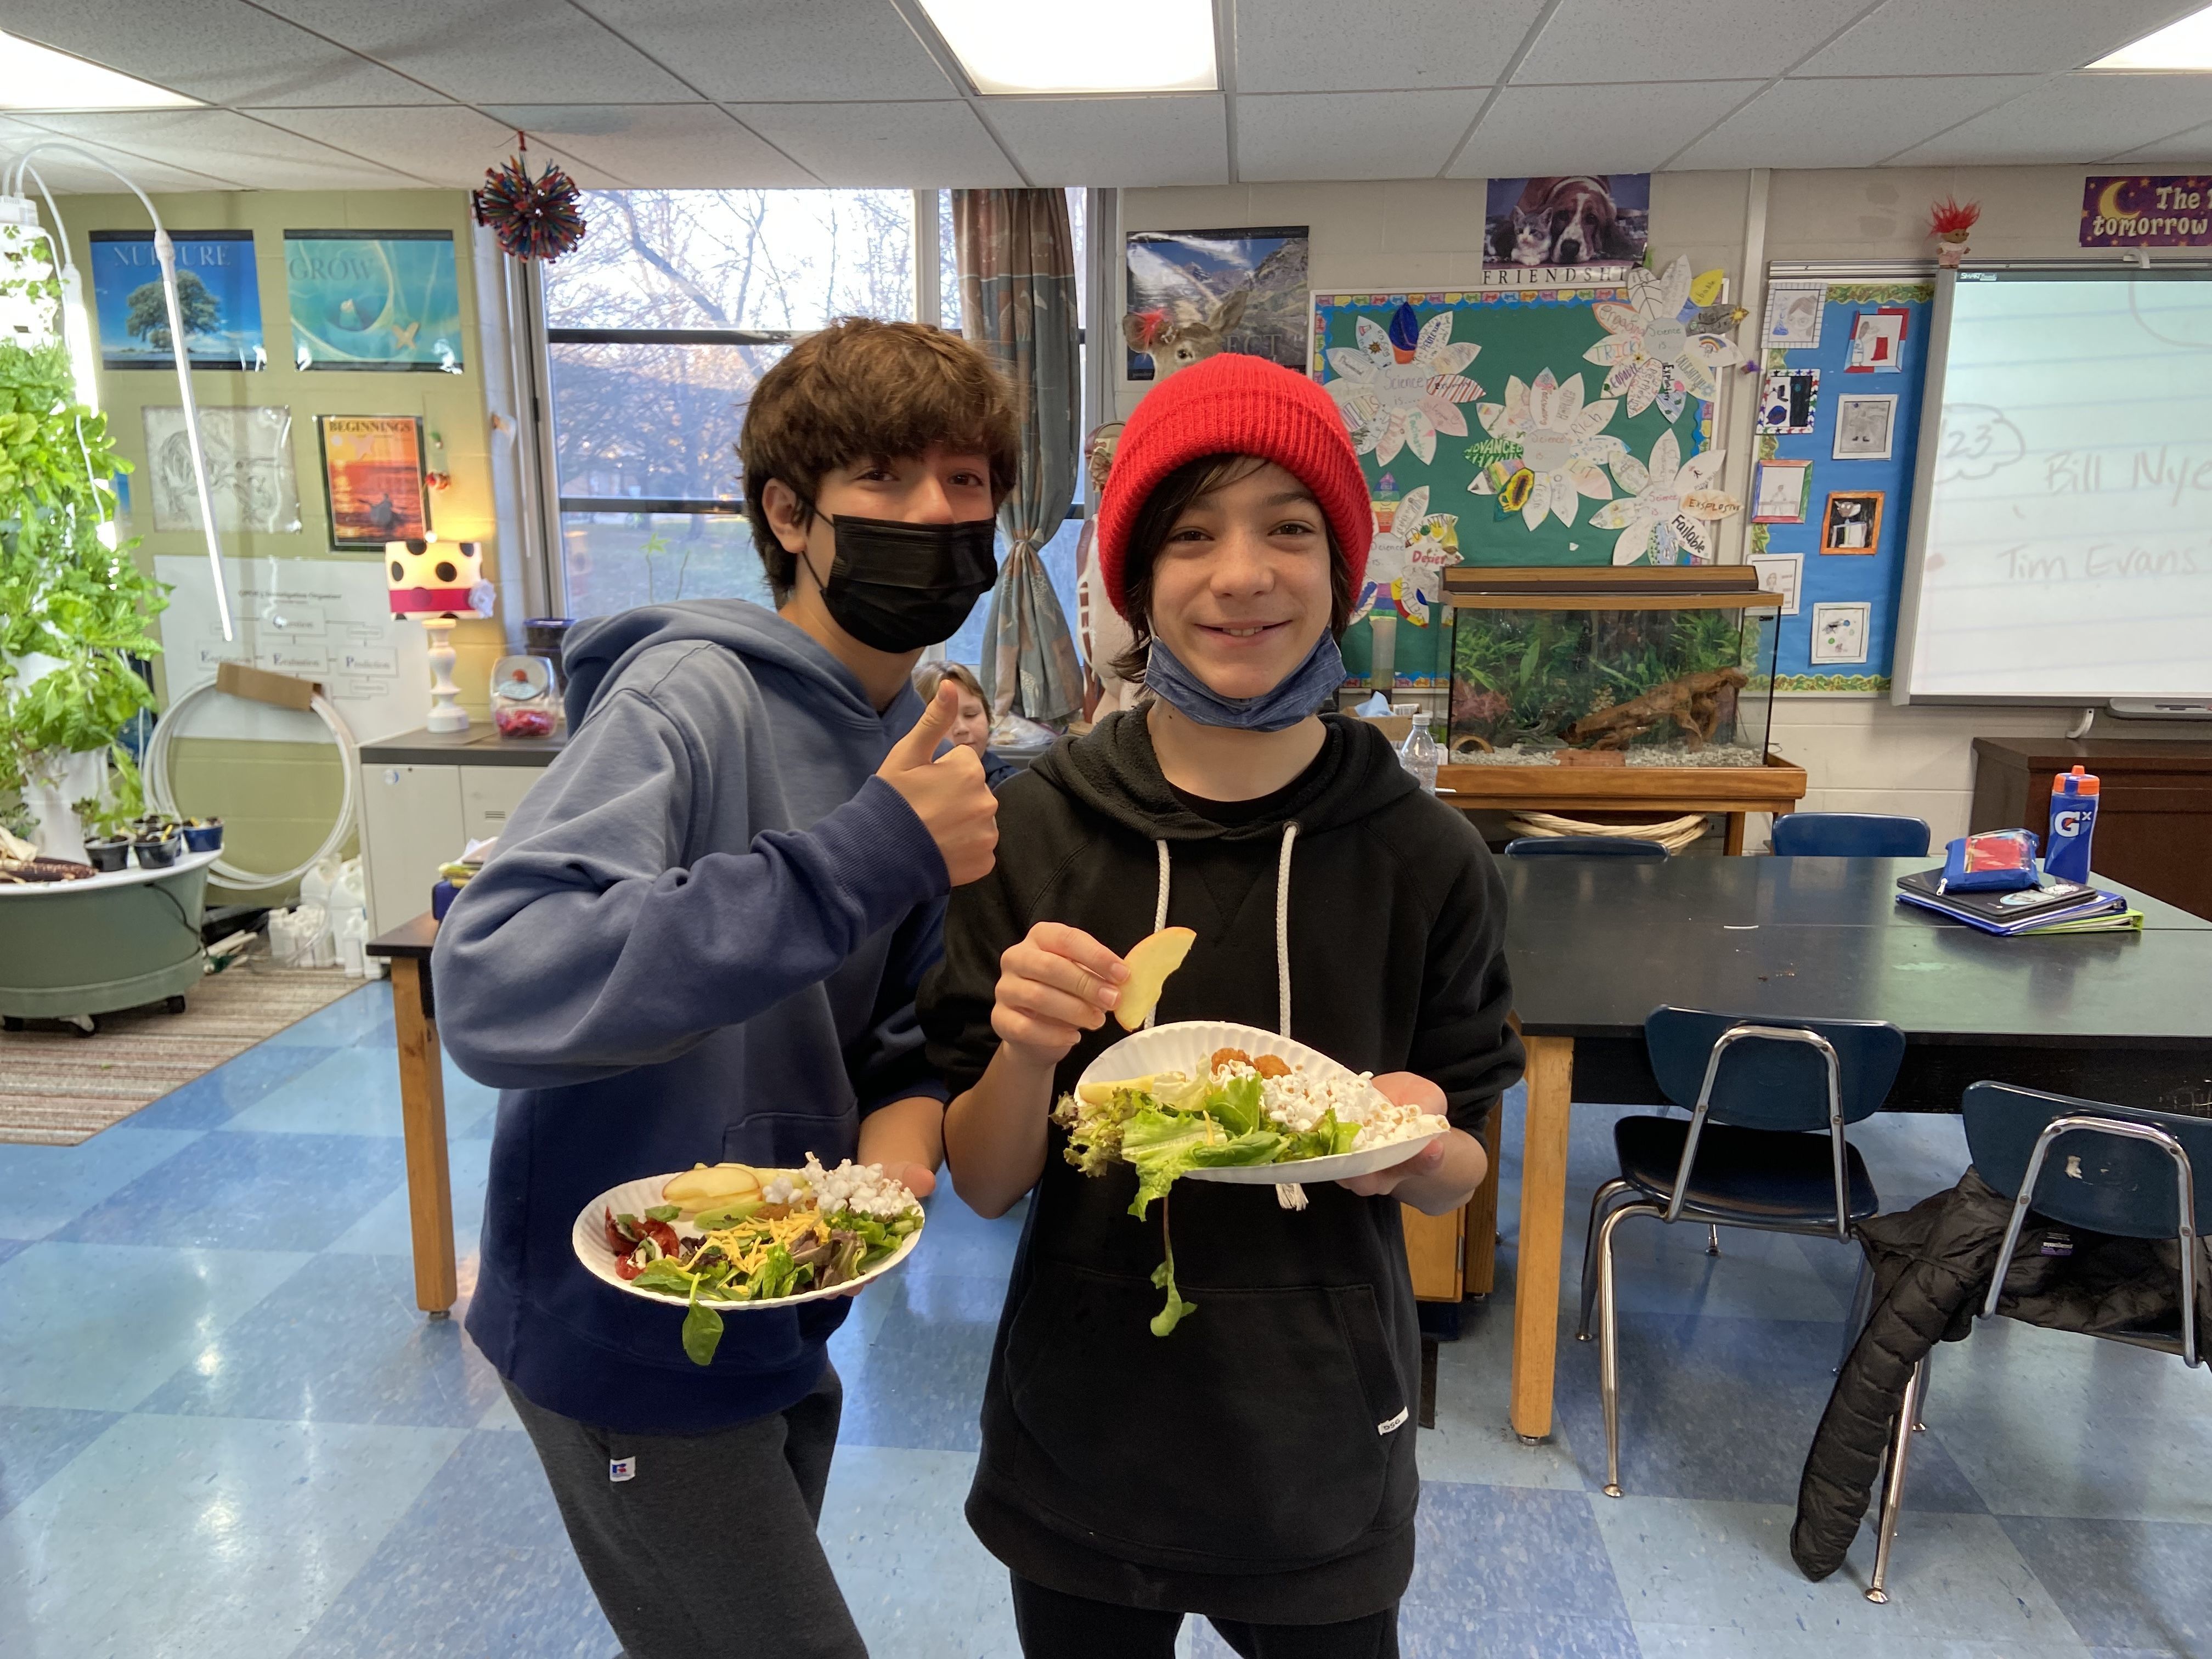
(1893, 1485)
(1920, 1393)
(1604, 1195)
(1608, 1355)
(1712, 1238)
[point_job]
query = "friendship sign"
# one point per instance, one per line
(2140, 210)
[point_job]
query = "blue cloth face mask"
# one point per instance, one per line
(1306, 690)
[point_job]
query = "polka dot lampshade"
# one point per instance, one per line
(431, 578)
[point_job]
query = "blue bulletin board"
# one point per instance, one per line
(1838, 422)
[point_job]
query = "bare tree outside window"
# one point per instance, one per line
(639, 418)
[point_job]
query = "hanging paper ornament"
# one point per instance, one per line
(532, 218)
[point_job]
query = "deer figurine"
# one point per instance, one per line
(1175, 338)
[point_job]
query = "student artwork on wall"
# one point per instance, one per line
(1847, 539)
(1206, 291)
(1549, 427)
(1787, 398)
(380, 300)
(1852, 522)
(373, 471)
(218, 294)
(250, 479)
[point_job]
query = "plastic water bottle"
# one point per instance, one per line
(2072, 818)
(1419, 754)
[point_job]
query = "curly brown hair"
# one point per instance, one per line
(864, 389)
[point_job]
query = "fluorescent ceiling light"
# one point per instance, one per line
(2178, 47)
(1080, 45)
(34, 77)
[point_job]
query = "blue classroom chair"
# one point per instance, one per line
(2127, 1172)
(1850, 836)
(1764, 1148)
(1602, 847)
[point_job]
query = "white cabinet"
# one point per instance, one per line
(490, 794)
(424, 796)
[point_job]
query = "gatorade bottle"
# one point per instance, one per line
(2073, 817)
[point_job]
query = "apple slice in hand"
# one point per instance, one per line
(1150, 962)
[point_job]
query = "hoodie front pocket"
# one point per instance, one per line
(1259, 1432)
(781, 1141)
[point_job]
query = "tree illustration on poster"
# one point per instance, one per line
(1526, 423)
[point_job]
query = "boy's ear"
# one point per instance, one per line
(785, 515)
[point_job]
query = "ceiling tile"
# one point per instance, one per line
(441, 145)
(2183, 149)
(63, 173)
(1120, 141)
(2073, 118)
(1349, 134)
(1845, 124)
(229, 146)
(1411, 45)
(658, 146)
(1535, 130)
(1990, 37)
(1589, 40)
(495, 51)
(219, 50)
(735, 50)
(884, 144)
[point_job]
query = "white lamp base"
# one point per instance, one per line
(447, 714)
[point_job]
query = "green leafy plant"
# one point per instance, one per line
(64, 593)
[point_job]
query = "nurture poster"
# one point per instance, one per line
(218, 296)
(382, 299)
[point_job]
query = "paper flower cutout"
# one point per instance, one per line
(1411, 545)
(1558, 445)
(1674, 502)
(1650, 353)
(1400, 387)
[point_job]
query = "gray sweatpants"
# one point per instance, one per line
(706, 1548)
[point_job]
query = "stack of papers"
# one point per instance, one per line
(2052, 907)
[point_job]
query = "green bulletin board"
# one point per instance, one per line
(1488, 437)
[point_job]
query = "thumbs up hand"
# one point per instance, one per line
(947, 793)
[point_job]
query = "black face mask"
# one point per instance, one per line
(901, 586)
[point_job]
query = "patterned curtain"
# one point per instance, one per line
(1018, 302)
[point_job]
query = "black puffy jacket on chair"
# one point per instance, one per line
(1931, 1266)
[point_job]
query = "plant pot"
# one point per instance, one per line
(55, 784)
(157, 854)
(108, 855)
(204, 836)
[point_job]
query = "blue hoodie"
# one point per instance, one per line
(698, 940)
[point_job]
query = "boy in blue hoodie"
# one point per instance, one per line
(699, 941)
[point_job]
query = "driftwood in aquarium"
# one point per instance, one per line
(1694, 703)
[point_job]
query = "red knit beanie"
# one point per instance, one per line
(1232, 405)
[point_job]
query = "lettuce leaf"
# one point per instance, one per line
(1160, 1146)
(1236, 1105)
(1253, 1146)
(1325, 1140)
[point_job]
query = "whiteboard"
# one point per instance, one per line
(2062, 540)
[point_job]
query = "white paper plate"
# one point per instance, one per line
(589, 1236)
(1186, 1045)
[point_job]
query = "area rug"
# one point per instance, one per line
(57, 1088)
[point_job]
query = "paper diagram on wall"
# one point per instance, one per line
(1839, 632)
(251, 478)
(326, 619)
(1783, 574)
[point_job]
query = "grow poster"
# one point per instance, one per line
(383, 300)
(218, 296)
(373, 472)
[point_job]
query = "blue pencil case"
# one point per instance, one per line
(1995, 861)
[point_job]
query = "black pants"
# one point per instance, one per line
(707, 1550)
(1056, 1627)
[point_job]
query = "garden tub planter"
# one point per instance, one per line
(78, 948)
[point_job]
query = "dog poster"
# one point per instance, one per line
(1581, 219)
(1193, 293)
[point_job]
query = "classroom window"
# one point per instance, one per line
(657, 331)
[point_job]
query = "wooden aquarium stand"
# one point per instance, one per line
(1664, 792)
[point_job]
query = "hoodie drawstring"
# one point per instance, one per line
(1282, 923)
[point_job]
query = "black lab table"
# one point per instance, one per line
(1596, 944)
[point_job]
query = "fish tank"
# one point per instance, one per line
(1671, 666)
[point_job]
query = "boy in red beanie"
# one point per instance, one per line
(1255, 1462)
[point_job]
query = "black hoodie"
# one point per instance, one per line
(1257, 1464)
